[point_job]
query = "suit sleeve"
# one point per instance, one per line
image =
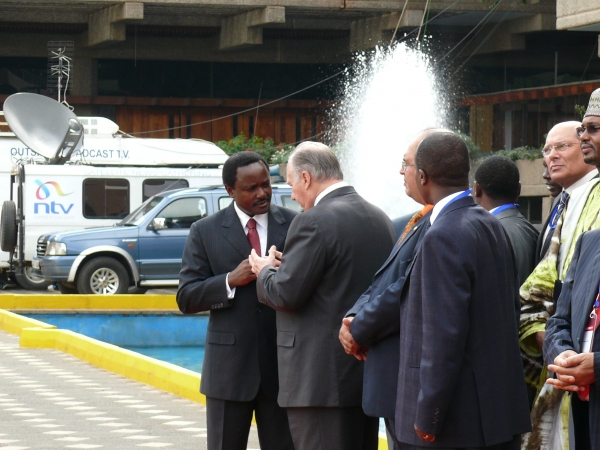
(559, 327)
(380, 317)
(360, 303)
(446, 295)
(302, 266)
(199, 289)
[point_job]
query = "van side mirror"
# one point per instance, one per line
(158, 223)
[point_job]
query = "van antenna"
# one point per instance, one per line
(60, 67)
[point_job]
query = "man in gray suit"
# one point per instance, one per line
(239, 375)
(497, 189)
(332, 252)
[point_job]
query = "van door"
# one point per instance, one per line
(161, 248)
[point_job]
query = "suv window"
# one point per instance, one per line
(105, 198)
(152, 187)
(291, 204)
(224, 202)
(184, 212)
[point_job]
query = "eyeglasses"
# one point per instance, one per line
(591, 129)
(559, 148)
(405, 165)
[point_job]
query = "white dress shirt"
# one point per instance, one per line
(331, 188)
(262, 224)
(439, 206)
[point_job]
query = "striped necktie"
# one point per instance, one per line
(413, 221)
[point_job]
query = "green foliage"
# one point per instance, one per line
(580, 111)
(527, 153)
(264, 147)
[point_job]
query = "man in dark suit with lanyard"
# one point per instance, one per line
(332, 251)
(461, 382)
(239, 375)
(373, 324)
(497, 188)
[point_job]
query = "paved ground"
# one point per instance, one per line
(49, 399)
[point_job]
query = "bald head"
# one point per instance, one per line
(563, 156)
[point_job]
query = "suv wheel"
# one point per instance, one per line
(104, 276)
(28, 280)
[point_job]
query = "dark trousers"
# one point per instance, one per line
(228, 424)
(581, 422)
(333, 429)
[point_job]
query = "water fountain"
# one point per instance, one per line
(388, 97)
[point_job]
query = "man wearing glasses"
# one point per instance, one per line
(581, 198)
(572, 341)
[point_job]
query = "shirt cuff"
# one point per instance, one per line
(230, 290)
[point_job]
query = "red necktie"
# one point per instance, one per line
(253, 236)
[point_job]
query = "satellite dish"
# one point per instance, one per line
(44, 125)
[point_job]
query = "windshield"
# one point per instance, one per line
(136, 217)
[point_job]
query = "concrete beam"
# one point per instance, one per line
(368, 33)
(108, 25)
(245, 29)
(510, 36)
(577, 14)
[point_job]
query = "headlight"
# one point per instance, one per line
(56, 249)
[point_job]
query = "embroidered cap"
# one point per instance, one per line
(593, 108)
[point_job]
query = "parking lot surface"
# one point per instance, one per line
(49, 399)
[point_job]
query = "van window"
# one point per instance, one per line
(287, 202)
(184, 212)
(152, 187)
(224, 202)
(105, 198)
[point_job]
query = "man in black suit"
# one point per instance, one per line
(239, 375)
(461, 382)
(497, 189)
(333, 249)
(373, 324)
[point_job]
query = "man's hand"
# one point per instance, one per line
(425, 436)
(242, 275)
(574, 371)
(539, 338)
(351, 347)
(258, 263)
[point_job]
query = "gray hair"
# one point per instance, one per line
(317, 159)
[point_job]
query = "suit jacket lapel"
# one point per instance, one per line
(234, 233)
(423, 221)
(276, 232)
(582, 307)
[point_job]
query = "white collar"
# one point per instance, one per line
(437, 209)
(261, 219)
(331, 188)
(583, 180)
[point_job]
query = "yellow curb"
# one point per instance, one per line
(13, 323)
(85, 302)
(162, 375)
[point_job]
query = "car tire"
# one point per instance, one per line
(66, 288)
(103, 276)
(31, 282)
(8, 225)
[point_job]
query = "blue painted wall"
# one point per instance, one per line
(133, 330)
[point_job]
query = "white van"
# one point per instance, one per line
(106, 179)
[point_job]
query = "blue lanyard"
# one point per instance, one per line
(499, 209)
(458, 197)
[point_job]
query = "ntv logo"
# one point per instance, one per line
(42, 193)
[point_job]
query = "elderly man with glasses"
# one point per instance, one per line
(576, 213)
